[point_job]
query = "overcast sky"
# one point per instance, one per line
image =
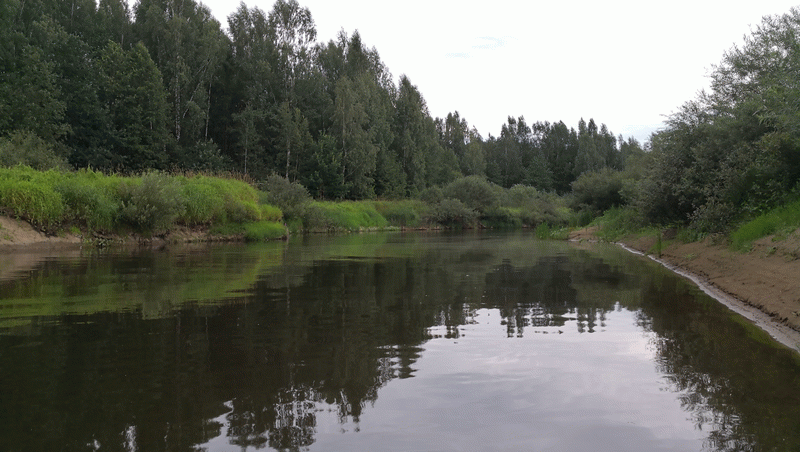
(624, 63)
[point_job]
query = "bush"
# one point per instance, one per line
(502, 218)
(431, 195)
(271, 213)
(598, 190)
(543, 231)
(291, 197)
(619, 221)
(474, 192)
(152, 203)
(25, 148)
(520, 196)
(401, 213)
(454, 214)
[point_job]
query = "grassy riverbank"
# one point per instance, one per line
(94, 205)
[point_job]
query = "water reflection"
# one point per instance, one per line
(288, 346)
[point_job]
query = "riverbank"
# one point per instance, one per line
(18, 234)
(762, 284)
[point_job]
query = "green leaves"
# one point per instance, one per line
(135, 101)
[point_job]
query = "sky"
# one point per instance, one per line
(627, 64)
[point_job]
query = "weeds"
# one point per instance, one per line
(775, 221)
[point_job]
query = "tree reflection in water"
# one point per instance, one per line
(322, 336)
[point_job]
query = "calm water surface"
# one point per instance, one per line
(381, 342)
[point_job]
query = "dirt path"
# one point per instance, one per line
(763, 284)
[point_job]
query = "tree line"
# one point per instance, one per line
(162, 86)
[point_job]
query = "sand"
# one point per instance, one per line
(762, 284)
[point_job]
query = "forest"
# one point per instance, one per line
(162, 85)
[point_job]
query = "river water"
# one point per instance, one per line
(381, 342)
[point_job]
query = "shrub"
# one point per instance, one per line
(431, 195)
(618, 221)
(400, 213)
(520, 196)
(474, 192)
(152, 203)
(453, 213)
(502, 218)
(291, 197)
(543, 231)
(598, 190)
(25, 148)
(271, 213)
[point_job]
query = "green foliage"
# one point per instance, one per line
(731, 153)
(431, 195)
(533, 207)
(291, 197)
(598, 191)
(543, 231)
(29, 196)
(213, 199)
(131, 88)
(271, 213)
(502, 218)
(406, 213)
(343, 216)
(453, 213)
(784, 218)
(259, 231)
(474, 192)
(151, 203)
(25, 148)
(204, 203)
(619, 221)
(90, 199)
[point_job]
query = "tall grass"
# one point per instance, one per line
(618, 221)
(344, 216)
(405, 213)
(780, 219)
(152, 203)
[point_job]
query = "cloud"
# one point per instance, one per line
(461, 55)
(489, 43)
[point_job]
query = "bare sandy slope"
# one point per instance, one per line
(14, 233)
(766, 278)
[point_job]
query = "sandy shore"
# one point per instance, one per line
(763, 285)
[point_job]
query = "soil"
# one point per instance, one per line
(762, 284)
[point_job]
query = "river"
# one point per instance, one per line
(381, 342)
